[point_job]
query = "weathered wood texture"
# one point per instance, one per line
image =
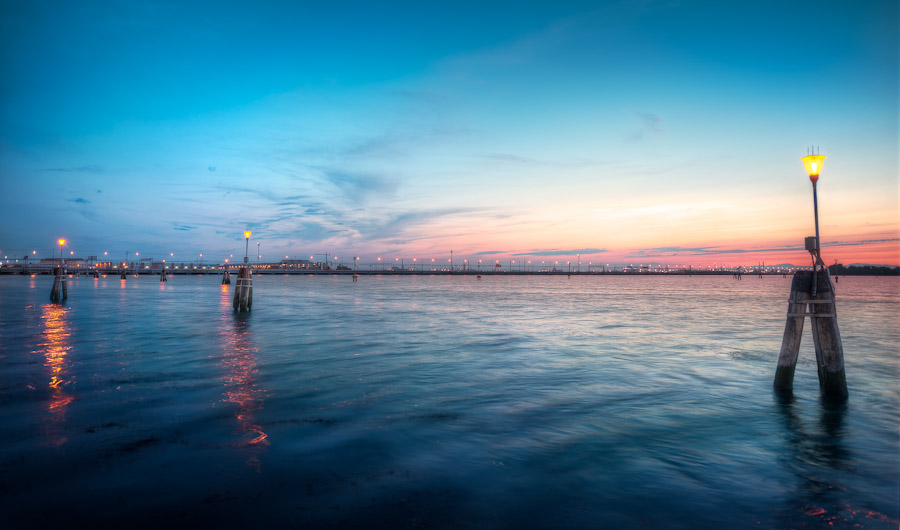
(243, 290)
(821, 310)
(827, 339)
(790, 342)
(60, 289)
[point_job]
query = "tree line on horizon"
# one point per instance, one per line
(863, 270)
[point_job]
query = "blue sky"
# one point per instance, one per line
(664, 131)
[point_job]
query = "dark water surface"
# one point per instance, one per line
(441, 402)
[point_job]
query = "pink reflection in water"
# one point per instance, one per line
(239, 362)
(55, 348)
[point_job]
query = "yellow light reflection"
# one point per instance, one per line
(239, 363)
(55, 348)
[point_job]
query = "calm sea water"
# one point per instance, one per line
(441, 402)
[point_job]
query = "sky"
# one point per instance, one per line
(621, 131)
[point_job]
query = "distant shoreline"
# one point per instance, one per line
(47, 270)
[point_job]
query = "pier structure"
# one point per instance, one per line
(812, 295)
(243, 290)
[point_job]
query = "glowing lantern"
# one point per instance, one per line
(813, 165)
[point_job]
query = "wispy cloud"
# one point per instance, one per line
(650, 124)
(80, 200)
(658, 252)
(407, 224)
(562, 252)
(76, 169)
(860, 242)
(359, 186)
(513, 159)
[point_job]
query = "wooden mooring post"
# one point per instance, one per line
(812, 295)
(162, 275)
(243, 290)
(60, 290)
(226, 278)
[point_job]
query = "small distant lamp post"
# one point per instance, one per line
(60, 290)
(813, 165)
(247, 246)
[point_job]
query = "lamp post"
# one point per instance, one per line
(61, 243)
(813, 165)
(247, 245)
(815, 300)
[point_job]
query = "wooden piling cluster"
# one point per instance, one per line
(162, 275)
(812, 295)
(60, 290)
(226, 278)
(243, 290)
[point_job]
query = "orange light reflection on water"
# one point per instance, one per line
(224, 300)
(55, 348)
(239, 362)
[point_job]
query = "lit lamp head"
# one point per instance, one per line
(813, 165)
(247, 234)
(62, 242)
